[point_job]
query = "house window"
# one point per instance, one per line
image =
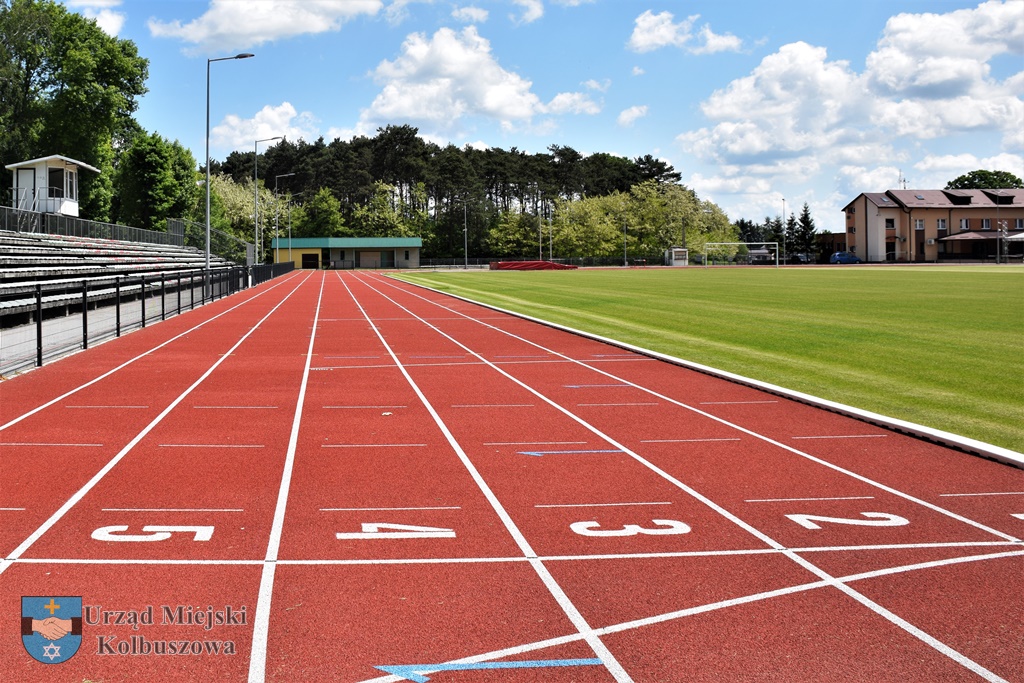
(965, 223)
(407, 255)
(890, 223)
(918, 224)
(55, 181)
(940, 223)
(1018, 224)
(986, 223)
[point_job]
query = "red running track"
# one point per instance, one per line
(360, 480)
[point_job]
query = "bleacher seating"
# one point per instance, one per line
(27, 256)
(61, 264)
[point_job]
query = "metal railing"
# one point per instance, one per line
(17, 220)
(42, 321)
(223, 245)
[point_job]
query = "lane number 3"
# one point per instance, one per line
(663, 527)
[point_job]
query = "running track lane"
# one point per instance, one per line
(560, 431)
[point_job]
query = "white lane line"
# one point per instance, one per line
(534, 443)
(614, 404)
(493, 405)
(855, 595)
(710, 607)
(687, 440)
(235, 407)
(96, 478)
(128, 362)
(734, 403)
(109, 407)
(962, 495)
(363, 407)
(797, 500)
(544, 558)
(12, 509)
(445, 507)
(352, 357)
(563, 600)
(211, 445)
(844, 436)
(51, 445)
(172, 510)
(261, 619)
(599, 505)
(373, 445)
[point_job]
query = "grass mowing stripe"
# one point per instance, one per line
(935, 345)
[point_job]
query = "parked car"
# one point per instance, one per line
(844, 257)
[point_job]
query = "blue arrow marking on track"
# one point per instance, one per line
(409, 671)
(540, 453)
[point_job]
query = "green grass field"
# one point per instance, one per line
(936, 345)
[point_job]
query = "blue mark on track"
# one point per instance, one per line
(413, 672)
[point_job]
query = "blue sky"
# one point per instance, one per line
(752, 102)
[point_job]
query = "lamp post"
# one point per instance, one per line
(256, 191)
(277, 213)
(244, 55)
(783, 231)
(465, 236)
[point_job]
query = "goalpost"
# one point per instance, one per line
(757, 252)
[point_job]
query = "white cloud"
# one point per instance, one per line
(109, 21)
(600, 86)
(269, 122)
(532, 11)
(442, 79)
(637, 71)
(629, 116)
(654, 31)
(228, 25)
(470, 15)
(572, 103)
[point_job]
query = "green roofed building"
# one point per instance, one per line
(348, 252)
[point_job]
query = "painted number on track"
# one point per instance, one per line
(154, 533)
(373, 530)
(874, 519)
(664, 527)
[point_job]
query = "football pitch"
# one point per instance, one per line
(935, 345)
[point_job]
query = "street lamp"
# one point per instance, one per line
(244, 55)
(465, 236)
(256, 192)
(277, 213)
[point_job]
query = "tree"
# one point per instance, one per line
(67, 88)
(804, 237)
(155, 180)
(985, 180)
(322, 217)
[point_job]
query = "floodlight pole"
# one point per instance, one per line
(465, 235)
(244, 55)
(625, 254)
(277, 214)
(256, 192)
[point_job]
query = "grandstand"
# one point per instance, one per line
(68, 280)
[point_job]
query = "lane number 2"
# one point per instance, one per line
(155, 533)
(663, 527)
(874, 519)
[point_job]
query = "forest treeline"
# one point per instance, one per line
(559, 203)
